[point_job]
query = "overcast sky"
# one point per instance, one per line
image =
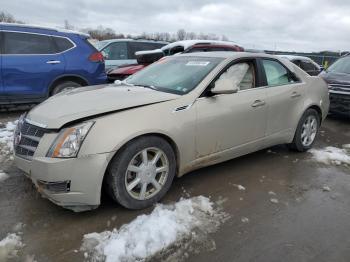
(295, 25)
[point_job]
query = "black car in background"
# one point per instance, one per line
(305, 63)
(338, 78)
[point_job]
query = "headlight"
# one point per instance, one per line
(69, 141)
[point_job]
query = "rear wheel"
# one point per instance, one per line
(142, 173)
(63, 86)
(306, 132)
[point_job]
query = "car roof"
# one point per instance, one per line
(228, 54)
(30, 26)
(187, 43)
(213, 46)
(133, 40)
(295, 57)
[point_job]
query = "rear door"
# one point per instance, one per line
(29, 65)
(284, 97)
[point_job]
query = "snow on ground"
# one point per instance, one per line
(332, 155)
(274, 200)
(245, 220)
(240, 187)
(3, 176)
(10, 246)
(148, 235)
(6, 138)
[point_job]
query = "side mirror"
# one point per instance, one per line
(224, 86)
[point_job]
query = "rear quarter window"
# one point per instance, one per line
(63, 44)
(141, 46)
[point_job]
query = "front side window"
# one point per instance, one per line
(177, 75)
(26, 43)
(276, 74)
(242, 75)
(116, 51)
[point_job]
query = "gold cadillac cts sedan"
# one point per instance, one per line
(179, 114)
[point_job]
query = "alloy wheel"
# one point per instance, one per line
(147, 173)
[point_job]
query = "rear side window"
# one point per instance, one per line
(276, 74)
(26, 43)
(63, 44)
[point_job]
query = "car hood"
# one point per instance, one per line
(336, 78)
(89, 101)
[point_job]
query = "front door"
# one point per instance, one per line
(229, 121)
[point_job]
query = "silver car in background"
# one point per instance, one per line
(179, 114)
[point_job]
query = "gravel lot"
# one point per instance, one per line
(273, 205)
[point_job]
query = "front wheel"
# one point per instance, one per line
(63, 86)
(142, 173)
(306, 132)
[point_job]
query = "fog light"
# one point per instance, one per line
(55, 187)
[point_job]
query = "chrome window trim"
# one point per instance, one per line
(21, 32)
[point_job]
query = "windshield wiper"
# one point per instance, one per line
(148, 86)
(118, 82)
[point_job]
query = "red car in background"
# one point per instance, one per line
(145, 58)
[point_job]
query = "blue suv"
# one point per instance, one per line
(37, 62)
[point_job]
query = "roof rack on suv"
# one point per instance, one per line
(46, 28)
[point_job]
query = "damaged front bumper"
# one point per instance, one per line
(73, 183)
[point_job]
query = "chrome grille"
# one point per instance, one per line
(340, 87)
(26, 140)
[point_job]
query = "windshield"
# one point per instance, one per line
(342, 65)
(177, 75)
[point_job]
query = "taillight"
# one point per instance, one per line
(96, 57)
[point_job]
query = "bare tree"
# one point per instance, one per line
(181, 34)
(224, 38)
(67, 25)
(8, 18)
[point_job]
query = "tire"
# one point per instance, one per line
(64, 85)
(300, 142)
(122, 173)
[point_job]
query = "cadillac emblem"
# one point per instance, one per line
(18, 138)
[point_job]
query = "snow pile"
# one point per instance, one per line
(150, 234)
(10, 246)
(332, 155)
(6, 138)
(3, 176)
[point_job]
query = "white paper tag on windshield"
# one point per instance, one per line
(197, 63)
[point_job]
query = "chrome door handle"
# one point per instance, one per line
(295, 94)
(53, 62)
(258, 103)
